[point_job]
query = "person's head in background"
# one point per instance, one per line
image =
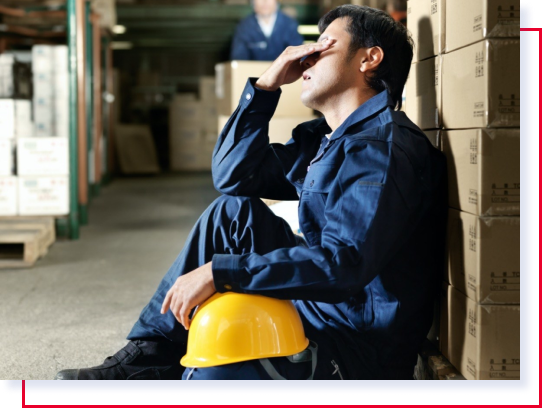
(265, 8)
(397, 9)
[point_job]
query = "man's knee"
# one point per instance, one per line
(232, 205)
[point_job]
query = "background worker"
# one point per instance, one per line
(372, 207)
(263, 36)
(397, 9)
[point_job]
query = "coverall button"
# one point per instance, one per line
(311, 184)
(228, 287)
(248, 96)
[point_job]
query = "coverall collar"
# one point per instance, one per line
(374, 105)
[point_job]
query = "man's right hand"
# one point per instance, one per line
(287, 68)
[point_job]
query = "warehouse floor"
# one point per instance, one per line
(76, 305)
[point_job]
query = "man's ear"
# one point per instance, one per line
(371, 59)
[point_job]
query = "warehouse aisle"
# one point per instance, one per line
(76, 305)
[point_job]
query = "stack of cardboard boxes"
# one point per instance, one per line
(15, 122)
(463, 90)
(50, 102)
(192, 124)
(195, 124)
(34, 153)
(231, 79)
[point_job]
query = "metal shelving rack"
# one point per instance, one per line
(89, 55)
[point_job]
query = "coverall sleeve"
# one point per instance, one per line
(244, 163)
(368, 216)
(239, 49)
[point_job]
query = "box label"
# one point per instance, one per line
(504, 368)
(505, 193)
(508, 105)
(472, 237)
(434, 7)
(508, 16)
(505, 281)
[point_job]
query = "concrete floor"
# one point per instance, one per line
(76, 305)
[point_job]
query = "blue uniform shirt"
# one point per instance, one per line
(249, 42)
(372, 208)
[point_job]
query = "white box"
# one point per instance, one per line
(6, 157)
(43, 195)
(60, 55)
(7, 119)
(8, 195)
(44, 84)
(15, 118)
(43, 117)
(42, 58)
(61, 84)
(42, 156)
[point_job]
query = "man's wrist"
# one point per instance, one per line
(261, 84)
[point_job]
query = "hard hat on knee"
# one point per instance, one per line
(231, 327)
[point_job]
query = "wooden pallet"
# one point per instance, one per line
(17, 247)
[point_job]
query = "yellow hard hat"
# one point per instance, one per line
(231, 327)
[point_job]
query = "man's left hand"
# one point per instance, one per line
(189, 291)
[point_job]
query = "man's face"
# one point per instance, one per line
(329, 73)
(265, 8)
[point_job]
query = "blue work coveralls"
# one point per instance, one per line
(249, 42)
(372, 209)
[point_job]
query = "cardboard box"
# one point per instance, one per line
(424, 93)
(15, 118)
(427, 24)
(207, 90)
(42, 156)
(470, 21)
(434, 137)
(484, 257)
(209, 118)
(135, 149)
(483, 170)
(482, 341)
(8, 195)
(182, 110)
(280, 129)
(43, 195)
(6, 157)
(187, 134)
(480, 85)
(210, 137)
(188, 159)
(231, 78)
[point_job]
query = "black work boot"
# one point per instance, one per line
(138, 360)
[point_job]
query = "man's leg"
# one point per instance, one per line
(230, 225)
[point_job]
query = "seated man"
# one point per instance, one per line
(372, 209)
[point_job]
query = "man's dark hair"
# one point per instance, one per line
(369, 27)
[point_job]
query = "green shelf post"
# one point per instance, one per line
(73, 217)
(89, 109)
